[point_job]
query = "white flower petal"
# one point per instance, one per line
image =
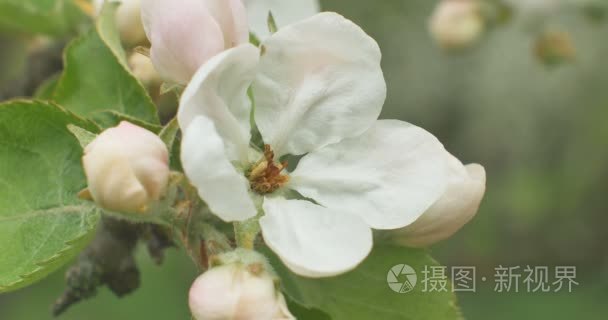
(314, 241)
(232, 18)
(389, 176)
(284, 11)
(218, 91)
(319, 82)
(183, 34)
(454, 209)
(225, 190)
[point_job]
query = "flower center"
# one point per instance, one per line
(265, 176)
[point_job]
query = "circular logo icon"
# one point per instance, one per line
(401, 278)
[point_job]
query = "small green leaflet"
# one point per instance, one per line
(84, 137)
(171, 138)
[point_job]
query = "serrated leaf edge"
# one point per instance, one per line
(82, 122)
(69, 244)
(80, 241)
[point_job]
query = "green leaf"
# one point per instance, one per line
(254, 40)
(84, 136)
(272, 25)
(96, 81)
(50, 17)
(108, 31)
(303, 313)
(171, 138)
(108, 119)
(169, 133)
(364, 293)
(43, 224)
(46, 89)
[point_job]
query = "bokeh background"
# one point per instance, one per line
(540, 131)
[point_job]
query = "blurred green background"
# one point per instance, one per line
(541, 132)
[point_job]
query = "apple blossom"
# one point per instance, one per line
(184, 34)
(128, 20)
(237, 291)
(284, 11)
(318, 89)
(127, 167)
(457, 24)
(457, 206)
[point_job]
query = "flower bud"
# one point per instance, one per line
(128, 20)
(554, 48)
(457, 206)
(186, 33)
(127, 167)
(143, 69)
(236, 291)
(457, 24)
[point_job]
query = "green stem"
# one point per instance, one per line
(246, 232)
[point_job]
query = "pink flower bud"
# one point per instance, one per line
(457, 24)
(186, 33)
(127, 167)
(235, 292)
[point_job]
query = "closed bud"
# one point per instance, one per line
(143, 69)
(457, 24)
(457, 206)
(237, 291)
(128, 20)
(554, 48)
(127, 168)
(184, 34)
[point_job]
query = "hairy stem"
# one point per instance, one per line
(246, 233)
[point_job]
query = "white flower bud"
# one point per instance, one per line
(186, 33)
(457, 206)
(143, 69)
(127, 167)
(235, 291)
(128, 20)
(457, 24)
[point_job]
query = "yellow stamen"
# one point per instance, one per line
(266, 177)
